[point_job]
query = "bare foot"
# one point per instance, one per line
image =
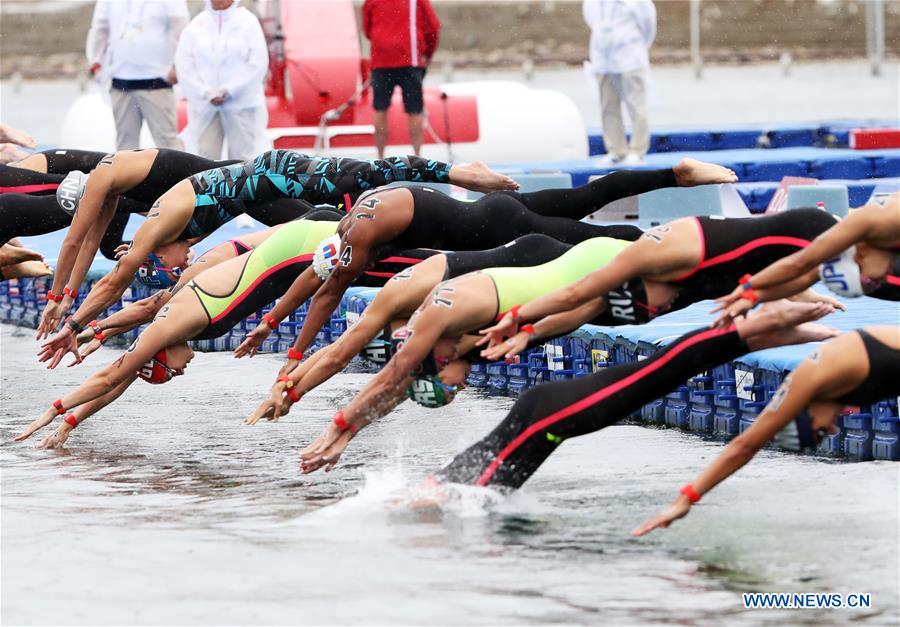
(11, 255)
(9, 153)
(480, 178)
(691, 172)
(778, 323)
(26, 269)
(14, 135)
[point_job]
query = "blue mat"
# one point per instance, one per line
(860, 312)
(831, 133)
(750, 165)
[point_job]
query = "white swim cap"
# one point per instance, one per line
(326, 256)
(842, 275)
(70, 191)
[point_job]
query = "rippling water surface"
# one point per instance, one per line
(166, 509)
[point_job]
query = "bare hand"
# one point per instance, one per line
(326, 450)
(45, 419)
(678, 509)
(724, 301)
(730, 312)
(508, 349)
(53, 313)
(277, 405)
(86, 350)
(253, 340)
(812, 296)
(288, 367)
(122, 250)
(58, 437)
(499, 332)
(57, 347)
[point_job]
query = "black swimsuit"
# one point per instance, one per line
(65, 161)
(884, 373)
(528, 250)
(546, 415)
(442, 222)
(733, 247)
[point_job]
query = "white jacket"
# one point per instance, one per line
(135, 39)
(224, 53)
(622, 32)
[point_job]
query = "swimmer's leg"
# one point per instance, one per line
(545, 416)
(578, 202)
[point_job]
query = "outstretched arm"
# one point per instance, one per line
(298, 293)
(328, 296)
(87, 218)
(625, 266)
(123, 369)
(104, 293)
(549, 327)
(856, 227)
(61, 434)
(799, 389)
(736, 304)
(380, 395)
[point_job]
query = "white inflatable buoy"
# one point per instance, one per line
(89, 125)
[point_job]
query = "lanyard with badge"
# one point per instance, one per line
(134, 28)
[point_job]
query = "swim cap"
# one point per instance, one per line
(70, 191)
(154, 274)
(155, 370)
(325, 258)
(379, 350)
(842, 275)
(429, 364)
(430, 392)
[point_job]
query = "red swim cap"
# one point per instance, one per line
(156, 370)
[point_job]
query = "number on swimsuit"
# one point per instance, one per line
(346, 256)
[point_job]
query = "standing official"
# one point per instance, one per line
(222, 61)
(404, 36)
(133, 42)
(622, 32)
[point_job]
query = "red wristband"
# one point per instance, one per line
(271, 321)
(292, 354)
(527, 328)
(68, 292)
(515, 313)
(56, 298)
(98, 332)
(292, 394)
(60, 410)
(750, 294)
(342, 424)
(72, 420)
(745, 281)
(688, 490)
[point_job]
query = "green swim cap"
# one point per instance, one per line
(430, 392)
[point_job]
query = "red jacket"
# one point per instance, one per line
(403, 33)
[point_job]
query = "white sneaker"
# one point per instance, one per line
(608, 161)
(633, 159)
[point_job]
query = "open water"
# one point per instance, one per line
(166, 509)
